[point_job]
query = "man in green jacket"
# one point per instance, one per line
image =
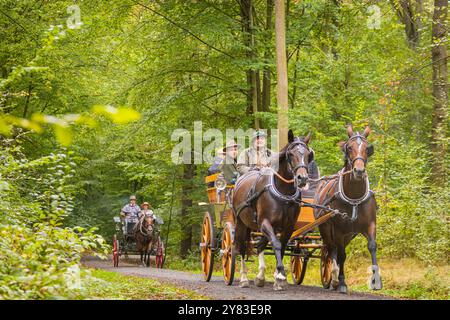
(229, 164)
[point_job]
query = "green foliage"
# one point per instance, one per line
(42, 262)
(39, 257)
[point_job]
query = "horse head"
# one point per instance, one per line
(298, 155)
(357, 150)
(147, 225)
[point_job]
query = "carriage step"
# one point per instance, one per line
(260, 234)
(311, 246)
(312, 237)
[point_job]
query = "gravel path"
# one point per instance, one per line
(216, 288)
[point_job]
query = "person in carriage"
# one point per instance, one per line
(146, 210)
(218, 160)
(228, 166)
(130, 213)
(257, 156)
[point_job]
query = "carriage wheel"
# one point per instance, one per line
(228, 256)
(207, 246)
(115, 251)
(298, 269)
(325, 268)
(160, 254)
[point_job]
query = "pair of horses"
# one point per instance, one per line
(275, 197)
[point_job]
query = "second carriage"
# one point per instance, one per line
(218, 228)
(124, 243)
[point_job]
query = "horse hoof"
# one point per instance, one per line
(342, 289)
(259, 282)
(279, 285)
(375, 283)
(244, 284)
(334, 285)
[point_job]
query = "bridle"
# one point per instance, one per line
(145, 232)
(293, 169)
(351, 162)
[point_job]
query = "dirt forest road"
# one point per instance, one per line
(216, 289)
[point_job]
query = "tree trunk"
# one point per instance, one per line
(440, 92)
(267, 55)
(282, 79)
(409, 12)
(249, 41)
(186, 205)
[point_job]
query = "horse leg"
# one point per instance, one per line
(280, 275)
(326, 231)
(147, 255)
(375, 281)
(260, 277)
(342, 287)
(142, 257)
(334, 268)
(240, 246)
(244, 283)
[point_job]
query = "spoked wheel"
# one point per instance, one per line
(115, 251)
(325, 268)
(228, 256)
(160, 254)
(298, 269)
(207, 246)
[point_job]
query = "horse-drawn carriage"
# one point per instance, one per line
(124, 241)
(274, 209)
(218, 233)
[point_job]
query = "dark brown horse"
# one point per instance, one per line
(272, 197)
(143, 233)
(349, 192)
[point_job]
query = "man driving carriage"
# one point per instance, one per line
(130, 213)
(257, 156)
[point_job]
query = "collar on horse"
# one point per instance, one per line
(341, 196)
(270, 186)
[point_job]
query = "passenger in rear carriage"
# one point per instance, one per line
(229, 165)
(146, 211)
(130, 214)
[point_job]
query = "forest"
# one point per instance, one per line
(92, 91)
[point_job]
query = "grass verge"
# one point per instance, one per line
(106, 285)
